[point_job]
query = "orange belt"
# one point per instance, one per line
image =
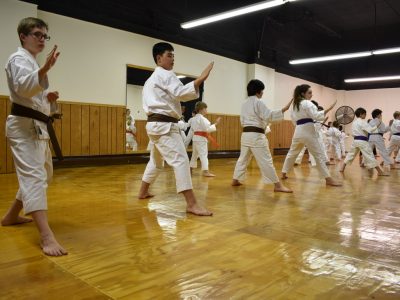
(208, 136)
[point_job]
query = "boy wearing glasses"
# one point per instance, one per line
(28, 130)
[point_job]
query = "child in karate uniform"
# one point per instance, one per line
(360, 131)
(254, 118)
(162, 94)
(201, 127)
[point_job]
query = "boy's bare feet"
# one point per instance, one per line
(332, 182)
(198, 210)
(279, 187)
(283, 176)
(236, 182)
(145, 195)
(8, 221)
(208, 174)
(51, 247)
(144, 191)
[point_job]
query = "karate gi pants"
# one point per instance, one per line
(169, 147)
(199, 150)
(365, 148)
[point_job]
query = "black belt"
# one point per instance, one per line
(23, 111)
(304, 121)
(253, 129)
(161, 118)
(361, 138)
(397, 133)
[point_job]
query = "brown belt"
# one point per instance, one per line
(23, 111)
(253, 129)
(161, 118)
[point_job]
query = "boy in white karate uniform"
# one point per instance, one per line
(335, 134)
(394, 143)
(201, 127)
(28, 137)
(376, 138)
(360, 131)
(162, 94)
(342, 139)
(304, 114)
(254, 117)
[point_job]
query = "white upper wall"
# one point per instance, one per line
(92, 67)
(11, 12)
(387, 100)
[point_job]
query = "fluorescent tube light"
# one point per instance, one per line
(181, 76)
(331, 57)
(234, 13)
(386, 51)
(367, 79)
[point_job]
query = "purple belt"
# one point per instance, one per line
(304, 121)
(361, 138)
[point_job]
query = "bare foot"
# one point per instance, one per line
(19, 220)
(383, 174)
(51, 247)
(198, 210)
(333, 182)
(283, 176)
(283, 189)
(145, 195)
(208, 174)
(236, 182)
(296, 164)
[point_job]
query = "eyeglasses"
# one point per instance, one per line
(40, 35)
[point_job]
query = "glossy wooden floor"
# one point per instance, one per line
(319, 243)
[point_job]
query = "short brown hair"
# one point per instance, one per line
(199, 106)
(396, 114)
(26, 25)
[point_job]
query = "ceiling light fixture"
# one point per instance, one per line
(344, 56)
(234, 13)
(368, 79)
(330, 57)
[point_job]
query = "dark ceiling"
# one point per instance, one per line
(301, 29)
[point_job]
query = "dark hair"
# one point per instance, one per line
(360, 111)
(160, 48)
(375, 113)
(396, 114)
(340, 127)
(254, 87)
(320, 108)
(335, 124)
(199, 106)
(315, 103)
(298, 94)
(26, 25)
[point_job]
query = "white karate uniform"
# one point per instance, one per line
(29, 139)
(395, 139)
(182, 127)
(130, 136)
(361, 128)
(200, 143)
(255, 113)
(376, 140)
(342, 138)
(335, 135)
(162, 94)
(306, 135)
(319, 130)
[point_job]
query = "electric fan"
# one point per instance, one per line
(344, 115)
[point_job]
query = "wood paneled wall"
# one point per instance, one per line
(84, 130)
(90, 130)
(228, 133)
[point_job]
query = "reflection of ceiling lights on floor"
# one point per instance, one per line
(234, 13)
(368, 79)
(344, 56)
